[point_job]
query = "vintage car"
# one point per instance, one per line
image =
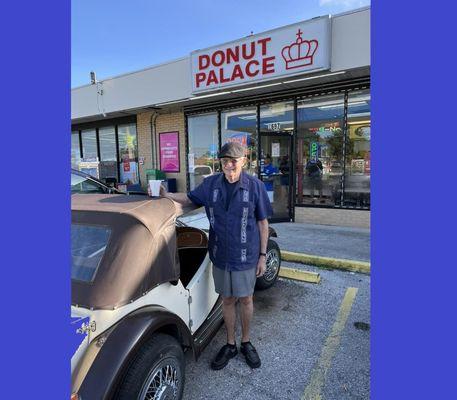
(142, 295)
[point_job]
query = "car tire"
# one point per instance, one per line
(273, 265)
(156, 370)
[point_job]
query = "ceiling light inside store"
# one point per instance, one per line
(357, 103)
(341, 105)
(355, 115)
(359, 122)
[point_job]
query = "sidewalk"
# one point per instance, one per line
(324, 240)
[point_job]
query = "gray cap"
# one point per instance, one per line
(232, 150)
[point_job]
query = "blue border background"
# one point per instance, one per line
(413, 215)
(413, 190)
(35, 198)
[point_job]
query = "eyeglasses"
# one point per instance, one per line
(231, 161)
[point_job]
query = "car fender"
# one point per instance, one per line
(120, 345)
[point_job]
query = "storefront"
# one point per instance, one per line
(297, 97)
(107, 150)
(310, 151)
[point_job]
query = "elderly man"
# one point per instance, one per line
(237, 207)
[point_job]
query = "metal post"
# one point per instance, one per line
(345, 128)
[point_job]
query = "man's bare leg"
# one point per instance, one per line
(247, 310)
(229, 314)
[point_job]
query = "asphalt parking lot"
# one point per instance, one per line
(313, 339)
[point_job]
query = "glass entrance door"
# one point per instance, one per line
(275, 172)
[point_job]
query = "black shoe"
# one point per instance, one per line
(249, 351)
(223, 357)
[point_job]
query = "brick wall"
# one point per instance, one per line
(326, 216)
(166, 122)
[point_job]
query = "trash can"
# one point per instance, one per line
(171, 185)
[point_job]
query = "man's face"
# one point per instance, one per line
(232, 167)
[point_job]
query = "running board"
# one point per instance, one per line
(208, 329)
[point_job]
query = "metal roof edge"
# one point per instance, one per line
(355, 10)
(133, 72)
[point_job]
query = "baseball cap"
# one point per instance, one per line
(232, 150)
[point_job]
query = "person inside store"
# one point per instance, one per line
(267, 170)
(314, 173)
(237, 207)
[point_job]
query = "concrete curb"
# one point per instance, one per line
(299, 275)
(327, 262)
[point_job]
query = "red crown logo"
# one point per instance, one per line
(300, 53)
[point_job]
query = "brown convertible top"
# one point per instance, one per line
(141, 251)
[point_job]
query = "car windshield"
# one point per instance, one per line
(81, 184)
(88, 244)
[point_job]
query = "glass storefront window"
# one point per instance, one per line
(276, 132)
(103, 163)
(358, 152)
(128, 154)
(319, 150)
(203, 147)
(240, 125)
(89, 140)
(108, 157)
(75, 150)
(277, 117)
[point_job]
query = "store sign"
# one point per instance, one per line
(295, 49)
(169, 151)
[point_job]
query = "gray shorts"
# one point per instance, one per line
(234, 283)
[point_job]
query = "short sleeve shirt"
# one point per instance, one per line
(234, 235)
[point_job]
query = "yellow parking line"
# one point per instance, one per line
(319, 373)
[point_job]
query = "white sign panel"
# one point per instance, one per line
(275, 149)
(295, 49)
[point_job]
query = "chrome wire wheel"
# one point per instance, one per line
(163, 382)
(272, 264)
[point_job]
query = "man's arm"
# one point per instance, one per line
(181, 199)
(263, 231)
